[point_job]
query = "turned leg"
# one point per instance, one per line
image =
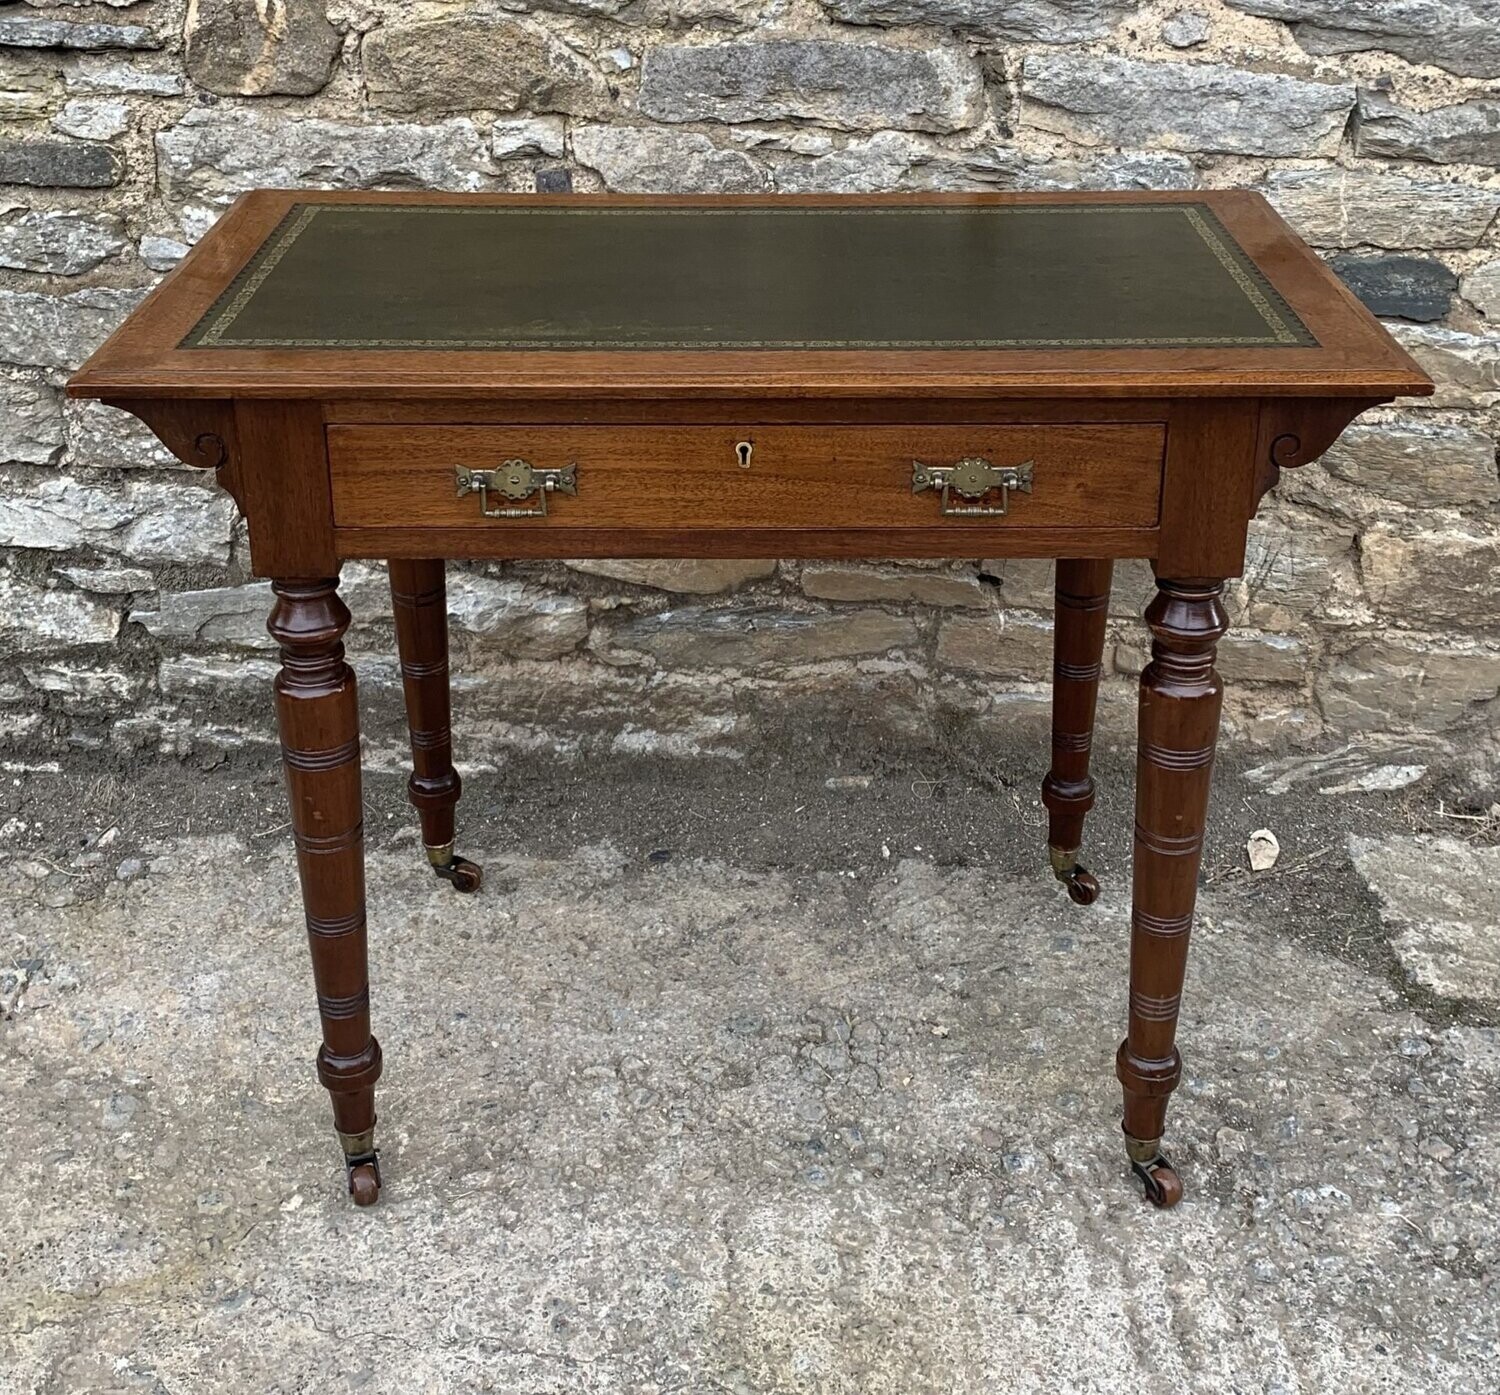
(1078, 651)
(1179, 722)
(419, 595)
(316, 707)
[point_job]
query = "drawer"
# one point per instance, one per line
(706, 478)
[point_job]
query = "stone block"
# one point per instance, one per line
(219, 615)
(1481, 288)
(216, 153)
(241, 48)
(42, 31)
(528, 137)
(854, 86)
(1465, 133)
(105, 73)
(1041, 21)
(467, 61)
(753, 636)
(685, 576)
(521, 620)
(68, 164)
(101, 437)
(837, 581)
(1459, 35)
(1002, 644)
(1182, 106)
(60, 331)
(34, 620)
(31, 427)
(1399, 287)
(1465, 367)
(142, 520)
(647, 160)
(1418, 682)
(1437, 576)
(93, 118)
(60, 242)
(1352, 208)
(1415, 463)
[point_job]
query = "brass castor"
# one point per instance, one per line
(1158, 1176)
(363, 1171)
(458, 872)
(1082, 885)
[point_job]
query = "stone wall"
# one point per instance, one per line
(127, 619)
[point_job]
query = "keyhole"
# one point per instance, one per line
(742, 449)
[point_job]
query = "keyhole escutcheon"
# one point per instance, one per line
(742, 451)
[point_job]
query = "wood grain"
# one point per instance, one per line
(691, 477)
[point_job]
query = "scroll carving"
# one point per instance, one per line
(199, 433)
(1296, 431)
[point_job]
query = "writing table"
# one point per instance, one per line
(419, 377)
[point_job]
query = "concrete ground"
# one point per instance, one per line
(790, 1077)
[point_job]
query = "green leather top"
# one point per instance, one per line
(579, 276)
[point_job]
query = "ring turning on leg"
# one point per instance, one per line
(1180, 698)
(1068, 791)
(317, 711)
(419, 596)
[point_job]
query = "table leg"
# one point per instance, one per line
(317, 709)
(1180, 697)
(1078, 651)
(419, 595)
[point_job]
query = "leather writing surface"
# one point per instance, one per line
(477, 276)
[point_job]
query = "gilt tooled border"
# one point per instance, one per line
(1285, 326)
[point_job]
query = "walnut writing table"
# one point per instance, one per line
(423, 376)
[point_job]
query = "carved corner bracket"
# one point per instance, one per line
(1295, 431)
(198, 433)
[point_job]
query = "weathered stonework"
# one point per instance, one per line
(216, 154)
(61, 243)
(1459, 35)
(1466, 133)
(856, 86)
(465, 62)
(1046, 21)
(1182, 106)
(69, 164)
(250, 48)
(1406, 288)
(1368, 604)
(1372, 207)
(59, 331)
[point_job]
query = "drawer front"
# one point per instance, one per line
(706, 478)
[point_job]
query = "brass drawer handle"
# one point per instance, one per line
(516, 479)
(972, 478)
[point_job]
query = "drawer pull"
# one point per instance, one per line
(516, 479)
(972, 478)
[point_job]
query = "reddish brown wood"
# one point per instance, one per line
(1003, 540)
(284, 488)
(693, 477)
(1094, 419)
(1082, 595)
(1293, 435)
(1180, 697)
(1354, 355)
(419, 597)
(317, 708)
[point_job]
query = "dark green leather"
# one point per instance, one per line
(575, 276)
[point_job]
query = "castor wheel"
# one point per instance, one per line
(1158, 1176)
(364, 1179)
(1083, 887)
(461, 874)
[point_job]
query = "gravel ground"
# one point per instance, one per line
(778, 1076)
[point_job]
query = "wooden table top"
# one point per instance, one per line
(297, 294)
